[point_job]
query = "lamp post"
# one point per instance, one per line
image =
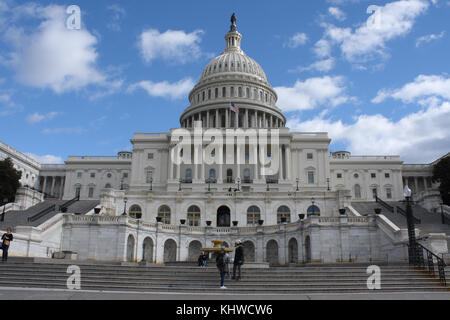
(238, 181)
(125, 207)
(121, 184)
(151, 184)
(209, 184)
(442, 211)
(297, 180)
(313, 201)
(328, 184)
(5, 202)
(411, 229)
(179, 185)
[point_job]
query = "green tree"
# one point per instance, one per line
(9, 180)
(441, 174)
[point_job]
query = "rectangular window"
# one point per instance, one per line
(309, 156)
(77, 192)
(339, 175)
(387, 175)
(232, 92)
(125, 175)
(209, 94)
(311, 177)
(79, 174)
(216, 93)
(224, 92)
(150, 156)
(374, 193)
(92, 174)
(91, 192)
(389, 193)
(373, 175)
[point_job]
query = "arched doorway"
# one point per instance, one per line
(272, 252)
(194, 250)
(170, 251)
(293, 251)
(147, 250)
(308, 249)
(130, 248)
(249, 251)
(223, 216)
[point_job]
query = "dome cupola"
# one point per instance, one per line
(233, 78)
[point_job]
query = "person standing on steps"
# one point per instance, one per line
(6, 240)
(238, 259)
(220, 262)
(227, 265)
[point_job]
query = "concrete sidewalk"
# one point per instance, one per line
(57, 294)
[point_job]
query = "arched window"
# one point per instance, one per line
(188, 176)
(164, 213)
(253, 215)
(135, 212)
(357, 191)
(313, 210)
(229, 176)
(107, 186)
(240, 92)
(193, 216)
(224, 92)
(283, 212)
(247, 93)
(216, 93)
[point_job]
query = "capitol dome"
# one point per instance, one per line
(233, 78)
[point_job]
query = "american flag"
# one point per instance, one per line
(234, 108)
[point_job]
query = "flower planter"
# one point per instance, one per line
(342, 212)
(208, 223)
(182, 221)
(377, 210)
(158, 219)
(97, 210)
(260, 222)
(235, 223)
(301, 216)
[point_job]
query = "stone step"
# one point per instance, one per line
(215, 289)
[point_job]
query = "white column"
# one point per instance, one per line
(227, 123)
(53, 186)
(217, 118)
(236, 120)
(246, 118)
(219, 176)
(45, 184)
(207, 119)
(271, 121)
(288, 164)
(170, 164)
(264, 120)
(280, 175)
(416, 185)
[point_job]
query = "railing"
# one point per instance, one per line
(42, 213)
(247, 181)
(420, 252)
(271, 181)
(399, 210)
(67, 204)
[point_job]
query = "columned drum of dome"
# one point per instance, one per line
(233, 77)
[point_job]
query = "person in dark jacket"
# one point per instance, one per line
(238, 259)
(6, 240)
(220, 262)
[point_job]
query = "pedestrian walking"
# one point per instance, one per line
(238, 260)
(6, 240)
(220, 262)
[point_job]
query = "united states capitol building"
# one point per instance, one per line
(244, 175)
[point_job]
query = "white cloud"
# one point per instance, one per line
(337, 13)
(74, 130)
(386, 22)
(37, 117)
(422, 136)
(172, 45)
(312, 93)
(429, 38)
(47, 159)
(297, 40)
(422, 87)
(321, 65)
(52, 56)
(117, 14)
(322, 48)
(164, 89)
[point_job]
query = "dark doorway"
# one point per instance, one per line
(223, 217)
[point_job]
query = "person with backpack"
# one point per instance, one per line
(238, 260)
(220, 262)
(6, 240)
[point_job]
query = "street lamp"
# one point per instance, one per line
(313, 201)
(328, 183)
(151, 184)
(297, 180)
(238, 181)
(179, 185)
(411, 229)
(125, 206)
(5, 201)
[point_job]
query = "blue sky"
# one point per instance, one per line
(374, 74)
